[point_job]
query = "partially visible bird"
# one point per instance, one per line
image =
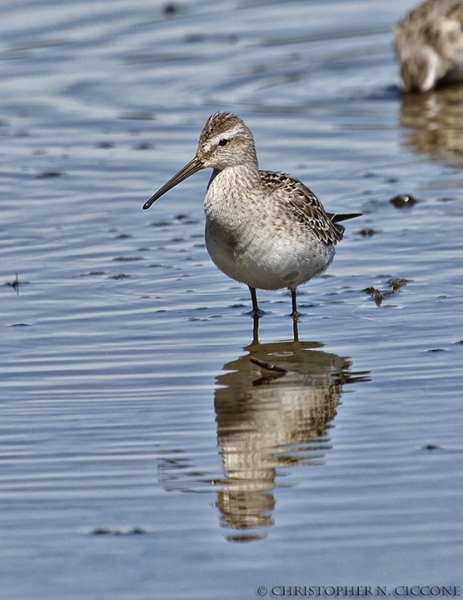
(429, 45)
(264, 229)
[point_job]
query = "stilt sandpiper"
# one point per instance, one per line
(429, 45)
(264, 229)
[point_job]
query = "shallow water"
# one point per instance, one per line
(143, 453)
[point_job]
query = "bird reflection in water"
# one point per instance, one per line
(274, 406)
(273, 409)
(433, 124)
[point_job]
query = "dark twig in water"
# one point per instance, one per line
(268, 366)
(15, 284)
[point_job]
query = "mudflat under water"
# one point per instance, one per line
(143, 454)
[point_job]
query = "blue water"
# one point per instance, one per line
(144, 455)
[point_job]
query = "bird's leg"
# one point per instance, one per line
(256, 314)
(295, 315)
(255, 307)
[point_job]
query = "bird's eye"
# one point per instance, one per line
(223, 142)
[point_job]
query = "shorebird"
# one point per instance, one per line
(429, 45)
(264, 229)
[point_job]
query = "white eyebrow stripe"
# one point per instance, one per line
(229, 133)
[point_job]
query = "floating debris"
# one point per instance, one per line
(375, 294)
(137, 116)
(268, 366)
(403, 201)
(48, 174)
(105, 145)
(104, 531)
(127, 258)
(367, 232)
(16, 283)
(170, 8)
(91, 273)
(394, 285)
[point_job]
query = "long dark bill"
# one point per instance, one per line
(191, 168)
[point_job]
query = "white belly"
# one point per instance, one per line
(263, 258)
(254, 239)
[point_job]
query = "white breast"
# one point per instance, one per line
(253, 241)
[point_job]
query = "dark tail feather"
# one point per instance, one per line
(336, 218)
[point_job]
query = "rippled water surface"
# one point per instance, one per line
(150, 448)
